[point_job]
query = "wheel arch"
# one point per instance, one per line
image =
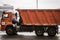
(8, 26)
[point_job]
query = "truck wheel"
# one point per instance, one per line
(14, 31)
(10, 31)
(51, 32)
(39, 32)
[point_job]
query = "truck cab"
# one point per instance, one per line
(6, 22)
(6, 19)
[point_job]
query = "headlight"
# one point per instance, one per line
(3, 23)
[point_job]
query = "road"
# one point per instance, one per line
(27, 36)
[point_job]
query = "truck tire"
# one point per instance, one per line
(39, 32)
(51, 31)
(14, 31)
(10, 31)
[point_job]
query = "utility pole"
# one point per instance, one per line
(37, 4)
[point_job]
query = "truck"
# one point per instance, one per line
(28, 20)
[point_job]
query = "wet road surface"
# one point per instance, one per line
(26, 36)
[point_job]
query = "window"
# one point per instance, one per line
(5, 16)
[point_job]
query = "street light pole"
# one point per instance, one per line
(37, 4)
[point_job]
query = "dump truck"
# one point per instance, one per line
(28, 20)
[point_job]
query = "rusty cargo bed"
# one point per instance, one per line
(40, 17)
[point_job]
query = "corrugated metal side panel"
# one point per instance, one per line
(56, 15)
(40, 16)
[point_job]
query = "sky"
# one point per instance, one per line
(32, 4)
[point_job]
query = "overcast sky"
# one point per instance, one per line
(31, 4)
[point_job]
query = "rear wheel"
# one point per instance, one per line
(11, 31)
(51, 31)
(39, 31)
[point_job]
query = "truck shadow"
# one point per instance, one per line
(22, 37)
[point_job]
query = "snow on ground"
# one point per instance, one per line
(25, 33)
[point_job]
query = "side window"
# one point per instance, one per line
(5, 15)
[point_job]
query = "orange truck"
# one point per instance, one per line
(29, 20)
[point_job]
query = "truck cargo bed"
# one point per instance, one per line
(40, 17)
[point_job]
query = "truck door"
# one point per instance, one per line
(6, 17)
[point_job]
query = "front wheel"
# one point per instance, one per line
(11, 31)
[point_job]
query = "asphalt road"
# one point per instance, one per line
(27, 36)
